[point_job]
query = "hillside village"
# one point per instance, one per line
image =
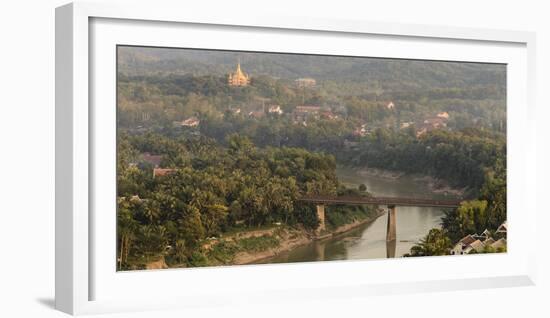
(304, 114)
(261, 109)
(201, 155)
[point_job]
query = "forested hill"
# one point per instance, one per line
(381, 73)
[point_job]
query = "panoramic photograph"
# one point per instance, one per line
(234, 158)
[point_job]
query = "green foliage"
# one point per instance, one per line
(234, 184)
(235, 171)
(197, 259)
(258, 243)
(340, 215)
(306, 215)
(488, 212)
(459, 157)
(435, 243)
(223, 252)
(475, 216)
(337, 75)
(471, 216)
(150, 242)
(494, 192)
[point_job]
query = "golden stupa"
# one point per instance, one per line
(238, 78)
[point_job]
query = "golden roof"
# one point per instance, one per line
(238, 78)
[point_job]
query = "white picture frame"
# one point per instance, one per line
(84, 35)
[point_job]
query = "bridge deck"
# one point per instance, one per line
(397, 201)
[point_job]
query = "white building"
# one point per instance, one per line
(472, 244)
(459, 247)
(305, 82)
(275, 109)
(503, 228)
(190, 122)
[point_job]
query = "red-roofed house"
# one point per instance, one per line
(302, 113)
(161, 172)
(462, 245)
(190, 122)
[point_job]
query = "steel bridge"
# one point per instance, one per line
(391, 202)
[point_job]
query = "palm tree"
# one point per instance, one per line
(126, 227)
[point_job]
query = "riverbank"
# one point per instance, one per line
(258, 245)
(305, 237)
(274, 242)
(381, 173)
(435, 185)
(441, 186)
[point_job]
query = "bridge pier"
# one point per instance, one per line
(391, 233)
(321, 217)
(391, 202)
(390, 248)
(320, 250)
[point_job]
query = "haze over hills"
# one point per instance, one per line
(387, 73)
(206, 152)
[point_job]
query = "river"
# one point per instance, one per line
(369, 240)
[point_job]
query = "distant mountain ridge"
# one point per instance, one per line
(134, 61)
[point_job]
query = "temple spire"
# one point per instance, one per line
(238, 78)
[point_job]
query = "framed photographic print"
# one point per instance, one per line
(278, 155)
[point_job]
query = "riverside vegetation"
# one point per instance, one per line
(230, 196)
(218, 190)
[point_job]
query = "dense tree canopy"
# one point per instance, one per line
(212, 189)
(244, 167)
